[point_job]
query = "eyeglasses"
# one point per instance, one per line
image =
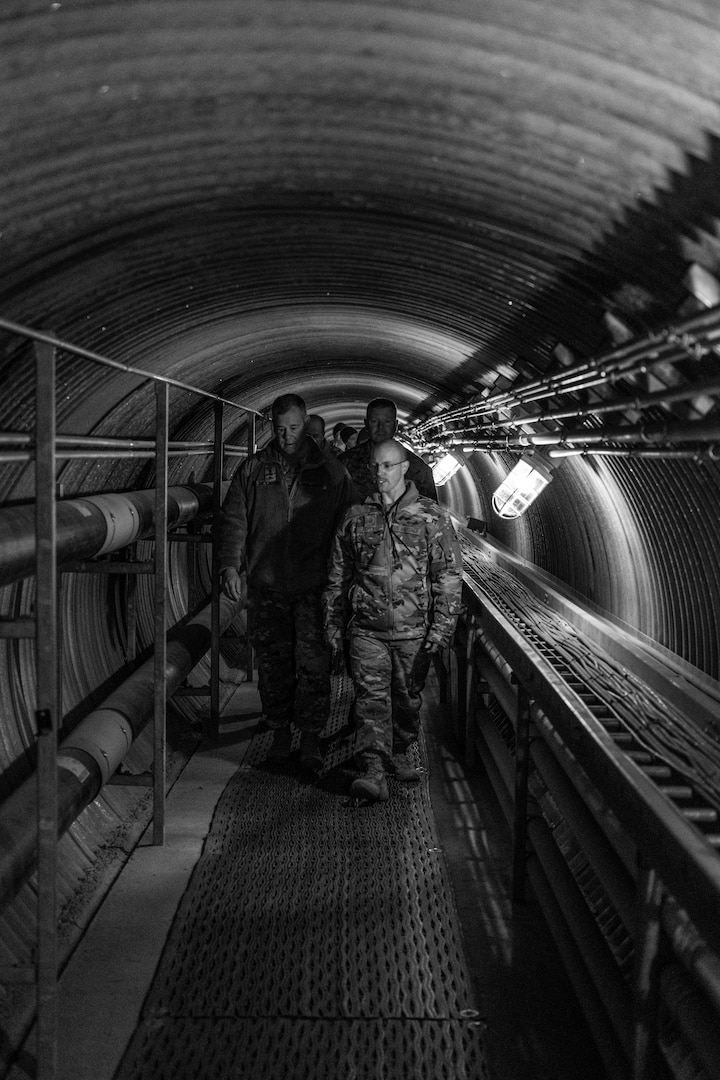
(375, 466)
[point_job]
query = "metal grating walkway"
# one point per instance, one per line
(317, 939)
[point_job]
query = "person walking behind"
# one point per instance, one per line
(349, 437)
(277, 524)
(382, 424)
(337, 446)
(395, 582)
(315, 428)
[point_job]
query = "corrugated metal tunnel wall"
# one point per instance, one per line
(433, 201)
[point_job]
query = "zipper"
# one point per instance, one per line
(391, 551)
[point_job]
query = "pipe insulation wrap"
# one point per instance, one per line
(87, 759)
(121, 521)
(93, 525)
(105, 735)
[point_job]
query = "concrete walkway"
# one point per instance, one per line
(103, 986)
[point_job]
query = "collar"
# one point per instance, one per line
(410, 495)
(310, 455)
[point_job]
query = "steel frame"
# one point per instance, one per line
(46, 448)
(661, 876)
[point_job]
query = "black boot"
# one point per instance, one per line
(311, 757)
(281, 743)
(404, 769)
(373, 785)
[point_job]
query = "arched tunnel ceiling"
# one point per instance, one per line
(349, 198)
(433, 200)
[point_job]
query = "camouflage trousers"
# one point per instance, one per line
(293, 658)
(389, 677)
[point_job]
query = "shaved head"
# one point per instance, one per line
(389, 463)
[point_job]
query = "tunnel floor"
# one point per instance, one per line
(317, 938)
(238, 950)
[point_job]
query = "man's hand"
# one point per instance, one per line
(336, 641)
(231, 583)
(431, 646)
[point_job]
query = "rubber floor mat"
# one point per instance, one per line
(317, 939)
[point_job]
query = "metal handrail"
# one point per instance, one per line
(642, 832)
(87, 354)
(44, 449)
(23, 438)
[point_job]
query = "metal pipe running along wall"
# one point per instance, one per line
(89, 756)
(93, 525)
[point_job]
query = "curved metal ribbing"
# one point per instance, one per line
(679, 537)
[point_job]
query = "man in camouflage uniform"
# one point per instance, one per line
(395, 583)
(278, 519)
(381, 424)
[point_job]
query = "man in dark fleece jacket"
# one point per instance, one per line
(278, 519)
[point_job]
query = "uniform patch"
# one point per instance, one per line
(271, 473)
(374, 521)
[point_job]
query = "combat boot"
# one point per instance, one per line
(404, 769)
(311, 757)
(281, 743)
(373, 785)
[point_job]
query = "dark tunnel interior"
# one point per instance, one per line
(502, 215)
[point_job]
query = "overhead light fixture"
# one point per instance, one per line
(445, 468)
(619, 331)
(521, 487)
(704, 286)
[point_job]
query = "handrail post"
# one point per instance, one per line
(46, 714)
(251, 448)
(161, 568)
(522, 759)
(218, 469)
(470, 689)
(646, 993)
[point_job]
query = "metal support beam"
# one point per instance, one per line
(646, 1064)
(522, 758)
(251, 448)
(213, 727)
(161, 572)
(470, 688)
(46, 714)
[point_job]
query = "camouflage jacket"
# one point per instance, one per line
(278, 526)
(395, 573)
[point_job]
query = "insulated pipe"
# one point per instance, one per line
(671, 345)
(89, 756)
(697, 430)
(93, 525)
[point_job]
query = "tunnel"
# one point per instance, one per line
(503, 217)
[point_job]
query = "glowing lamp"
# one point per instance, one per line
(445, 468)
(521, 487)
